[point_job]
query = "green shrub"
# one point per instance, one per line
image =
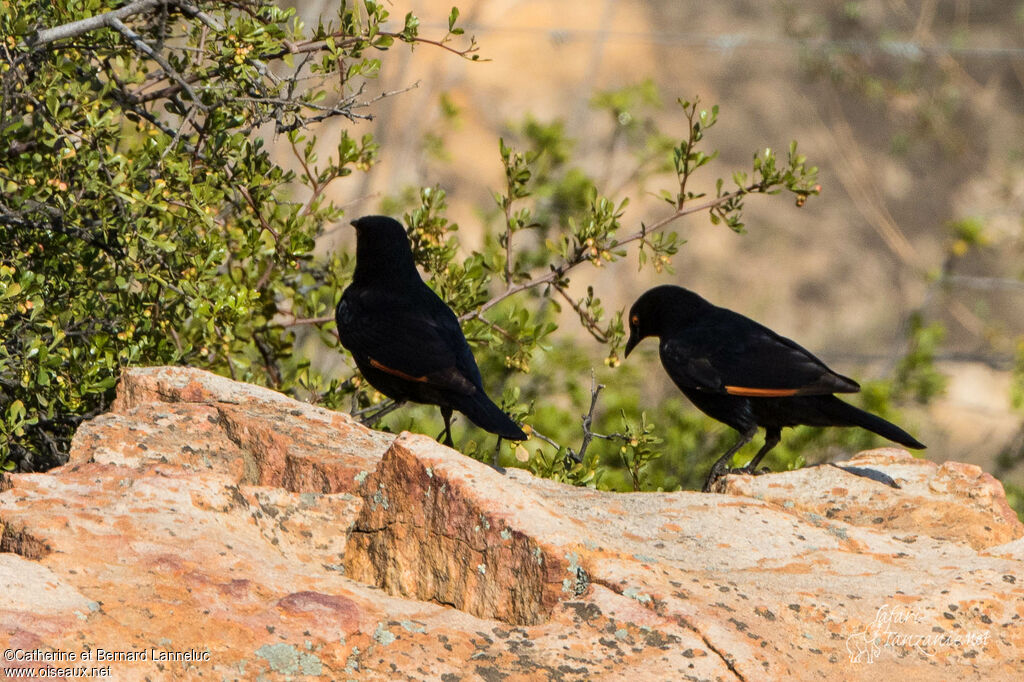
(145, 222)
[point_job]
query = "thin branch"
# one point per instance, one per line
(690, 113)
(316, 186)
(540, 436)
(163, 93)
(345, 223)
(265, 275)
(263, 221)
(507, 205)
(589, 323)
(588, 418)
(588, 421)
(557, 272)
(286, 102)
(298, 321)
(504, 332)
(269, 363)
(195, 13)
(345, 109)
(388, 407)
(130, 102)
(187, 120)
(143, 47)
(347, 41)
(82, 26)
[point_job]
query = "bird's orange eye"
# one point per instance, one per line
(635, 320)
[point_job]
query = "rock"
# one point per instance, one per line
(952, 501)
(205, 528)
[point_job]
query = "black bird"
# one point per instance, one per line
(405, 340)
(744, 374)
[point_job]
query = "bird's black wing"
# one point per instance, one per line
(411, 335)
(725, 352)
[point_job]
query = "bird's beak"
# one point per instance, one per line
(631, 343)
(353, 223)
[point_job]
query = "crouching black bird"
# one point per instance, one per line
(405, 340)
(744, 374)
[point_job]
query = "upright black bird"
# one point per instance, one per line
(405, 340)
(744, 374)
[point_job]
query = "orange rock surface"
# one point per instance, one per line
(206, 529)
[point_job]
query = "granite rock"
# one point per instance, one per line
(207, 529)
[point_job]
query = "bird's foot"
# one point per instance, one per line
(715, 475)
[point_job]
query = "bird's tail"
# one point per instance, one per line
(489, 417)
(854, 416)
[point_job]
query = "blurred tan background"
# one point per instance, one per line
(911, 110)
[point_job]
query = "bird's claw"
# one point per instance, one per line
(715, 475)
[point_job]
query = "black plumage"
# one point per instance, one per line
(405, 340)
(744, 374)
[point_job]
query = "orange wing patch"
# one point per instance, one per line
(398, 373)
(761, 392)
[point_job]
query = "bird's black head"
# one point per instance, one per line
(382, 249)
(659, 309)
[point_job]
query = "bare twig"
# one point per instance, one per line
(143, 47)
(507, 206)
(540, 436)
(589, 323)
(317, 187)
(386, 408)
(187, 120)
(263, 221)
(269, 363)
(138, 96)
(299, 321)
(557, 272)
(345, 223)
(504, 332)
(588, 418)
(342, 40)
(691, 140)
(265, 275)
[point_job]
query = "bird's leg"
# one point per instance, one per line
(771, 439)
(494, 458)
(446, 413)
(721, 467)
